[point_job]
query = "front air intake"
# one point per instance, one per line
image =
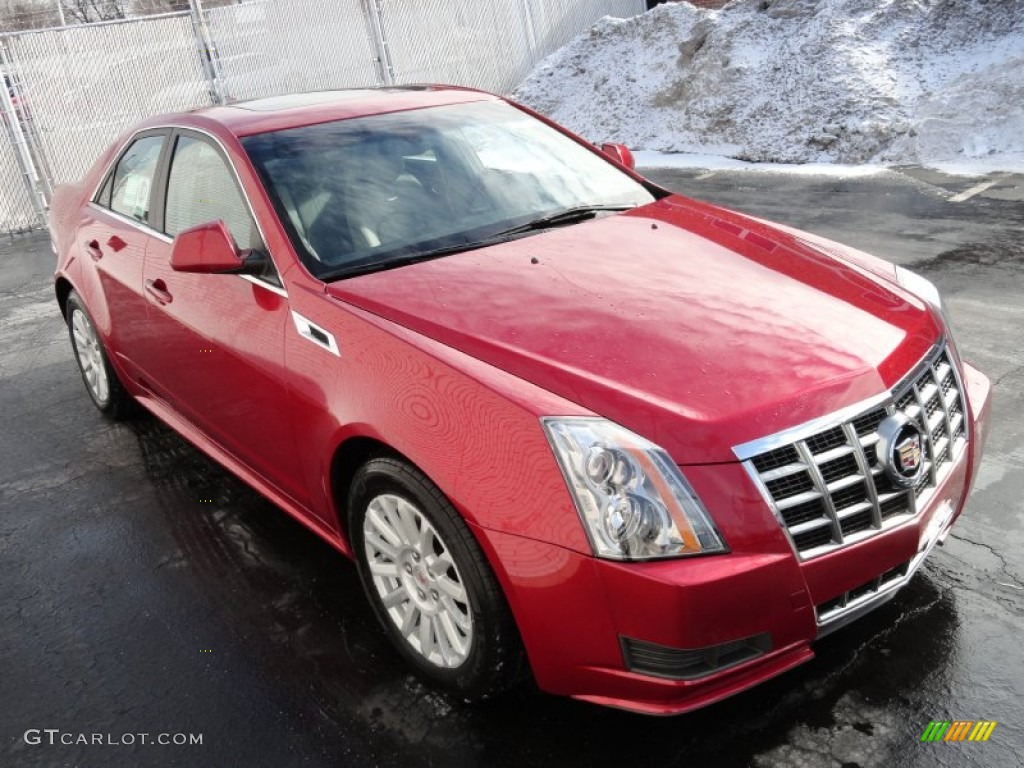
(691, 663)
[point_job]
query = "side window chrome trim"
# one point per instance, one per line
(161, 236)
(264, 284)
(238, 182)
(134, 222)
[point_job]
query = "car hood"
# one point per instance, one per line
(697, 327)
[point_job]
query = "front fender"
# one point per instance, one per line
(473, 429)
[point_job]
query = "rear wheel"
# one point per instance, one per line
(100, 379)
(429, 583)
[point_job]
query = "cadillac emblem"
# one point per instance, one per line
(900, 450)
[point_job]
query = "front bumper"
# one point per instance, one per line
(574, 611)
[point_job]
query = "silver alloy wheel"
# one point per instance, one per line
(418, 581)
(90, 356)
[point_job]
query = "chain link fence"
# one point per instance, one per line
(269, 47)
(22, 202)
(488, 45)
(70, 91)
(84, 85)
(17, 211)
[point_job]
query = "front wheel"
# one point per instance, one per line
(429, 583)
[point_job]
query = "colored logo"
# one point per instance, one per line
(958, 730)
(909, 452)
(899, 450)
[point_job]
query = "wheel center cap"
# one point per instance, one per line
(418, 582)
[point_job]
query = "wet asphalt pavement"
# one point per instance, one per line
(144, 590)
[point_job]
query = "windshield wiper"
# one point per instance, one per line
(417, 256)
(568, 216)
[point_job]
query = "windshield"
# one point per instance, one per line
(366, 193)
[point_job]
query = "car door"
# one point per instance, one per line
(217, 340)
(113, 237)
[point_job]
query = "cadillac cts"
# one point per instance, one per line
(568, 424)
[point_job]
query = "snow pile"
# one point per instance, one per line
(800, 81)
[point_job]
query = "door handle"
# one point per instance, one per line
(93, 247)
(158, 290)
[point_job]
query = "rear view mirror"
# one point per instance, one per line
(619, 153)
(206, 248)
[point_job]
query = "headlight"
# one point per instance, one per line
(925, 290)
(634, 502)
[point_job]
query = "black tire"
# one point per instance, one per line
(114, 403)
(495, 660)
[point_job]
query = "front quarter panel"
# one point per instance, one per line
(473, 429)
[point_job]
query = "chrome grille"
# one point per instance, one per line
(824, 481)
(837, 606)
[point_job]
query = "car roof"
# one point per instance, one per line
(276, 113)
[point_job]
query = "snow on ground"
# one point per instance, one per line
(648, 158)
(932, 82)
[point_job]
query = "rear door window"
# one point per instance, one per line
(131, 184)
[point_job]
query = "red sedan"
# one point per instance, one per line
(568, 424)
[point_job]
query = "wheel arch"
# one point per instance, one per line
(354, 451)
(62, 287)
(348, 456)
(357, 449)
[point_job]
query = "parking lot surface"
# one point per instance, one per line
(145, 590)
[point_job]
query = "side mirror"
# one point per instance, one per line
(619, 153)
(208, 248)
